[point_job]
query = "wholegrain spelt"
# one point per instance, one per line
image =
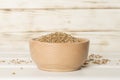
(58, 37)
(97, 59)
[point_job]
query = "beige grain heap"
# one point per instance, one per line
(58, 37)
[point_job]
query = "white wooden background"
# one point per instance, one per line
(98, 20)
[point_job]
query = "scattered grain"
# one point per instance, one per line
(20, 61)
(117, 63)
(105, 61)
(13, 73)
(96, 59)
(30, 61)
(101, 61)
(85, 63)
(93, 56)
(2, 61)
(21, 68)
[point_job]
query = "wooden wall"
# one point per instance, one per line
(98, 20)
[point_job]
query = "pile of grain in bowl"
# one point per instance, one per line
(58, 37)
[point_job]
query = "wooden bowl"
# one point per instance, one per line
(59, 56)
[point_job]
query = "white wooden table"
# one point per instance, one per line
(109, 71)
(97, 20)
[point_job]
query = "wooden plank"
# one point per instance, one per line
(99, 41)
(60, 4)
(60, 20)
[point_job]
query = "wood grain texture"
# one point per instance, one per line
(99, 41)
(60, 20)
(97, 20)
(60, 4)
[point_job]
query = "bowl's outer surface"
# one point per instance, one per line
(59, 56)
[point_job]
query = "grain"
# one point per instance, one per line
(2, 61)
(58, 37)
(85, 63)
(19, 61)
(96, 59)
(93, 56)
(21, 68)
(117, 63)
(13, 73)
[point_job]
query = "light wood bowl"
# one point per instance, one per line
(59, 56)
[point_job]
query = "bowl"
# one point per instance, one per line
(59, 56)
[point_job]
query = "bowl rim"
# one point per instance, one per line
(84, 40)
